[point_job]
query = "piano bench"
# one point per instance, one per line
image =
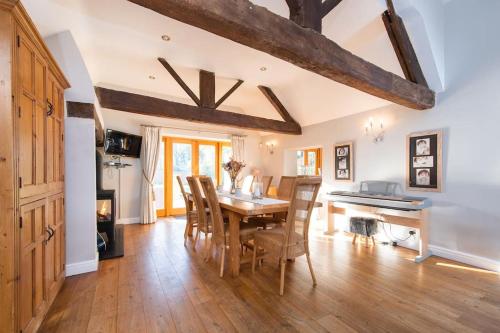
(363, 226)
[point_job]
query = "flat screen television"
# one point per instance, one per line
(123, 144)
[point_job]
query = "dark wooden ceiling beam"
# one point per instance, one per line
(207, 89)
(306, 13)
(178, 79)
(327, 6)
(254, 26)
(150, 106)
(276, 103)
(228, 93)
(402, 46)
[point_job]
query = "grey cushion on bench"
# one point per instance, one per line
(363, 226)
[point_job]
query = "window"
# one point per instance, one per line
(309, 162)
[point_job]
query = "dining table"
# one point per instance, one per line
(238, 207)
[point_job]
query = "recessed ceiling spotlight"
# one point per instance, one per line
(166, 38)
(152, 77)
(263, 69)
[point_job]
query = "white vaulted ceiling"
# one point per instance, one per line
(120, 41)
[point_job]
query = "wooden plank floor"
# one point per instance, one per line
(162, 286)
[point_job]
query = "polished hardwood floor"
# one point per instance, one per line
(162, 286)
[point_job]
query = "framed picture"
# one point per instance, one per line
(343, 162)
(424, 161)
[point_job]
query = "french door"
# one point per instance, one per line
(309, 162)
(185, 157)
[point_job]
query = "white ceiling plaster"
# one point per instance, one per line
(120, 42)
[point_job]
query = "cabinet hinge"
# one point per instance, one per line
(20, 182)
(18, 41)
(19, 112)
(20, 222)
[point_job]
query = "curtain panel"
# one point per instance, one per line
(238, 146)
(150, 154)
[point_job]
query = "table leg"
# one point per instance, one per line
(423, 247)
(234, 243)
(331, 219)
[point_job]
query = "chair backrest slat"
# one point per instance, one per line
(203, 221)
(183, 191)
(285, 187)
(218, 233)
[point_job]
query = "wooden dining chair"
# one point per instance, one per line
(191, 213)
(291, 240)
(266, 184)
(201, 211)
(284, 192)
(285, 186)
(220, 233)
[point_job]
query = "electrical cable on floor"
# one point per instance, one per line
(391, 237)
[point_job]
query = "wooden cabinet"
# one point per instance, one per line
(41, 269)
(32, 113)
(32, 225)
(32, 282)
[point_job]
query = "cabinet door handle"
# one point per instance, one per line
(50, 108)
(52, 232)
(45, 241)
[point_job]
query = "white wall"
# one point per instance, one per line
(80, 196)
(465, 218)
(127, 181)
(81, 228)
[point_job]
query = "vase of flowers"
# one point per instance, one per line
(233, 168)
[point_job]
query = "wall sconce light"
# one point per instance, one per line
(270, 148)
(377, 132)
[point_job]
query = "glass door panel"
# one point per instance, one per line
(226, 153)
(182, 165)
(300, 163)
(207, 160)
(311, 163)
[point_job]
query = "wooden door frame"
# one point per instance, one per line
(319, 163)
(170, 182)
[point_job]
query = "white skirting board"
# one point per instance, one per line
(131, 220)
(466, 258)
(82, 267)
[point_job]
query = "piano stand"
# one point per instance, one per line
(417, 219)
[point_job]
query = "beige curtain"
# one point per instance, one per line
(238, 146)
(149, 160)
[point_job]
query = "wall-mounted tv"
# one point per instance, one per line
(123, 144)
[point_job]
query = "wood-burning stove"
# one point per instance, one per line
(106, 217)
(106, 213)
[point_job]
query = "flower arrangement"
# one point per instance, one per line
(233, 168)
